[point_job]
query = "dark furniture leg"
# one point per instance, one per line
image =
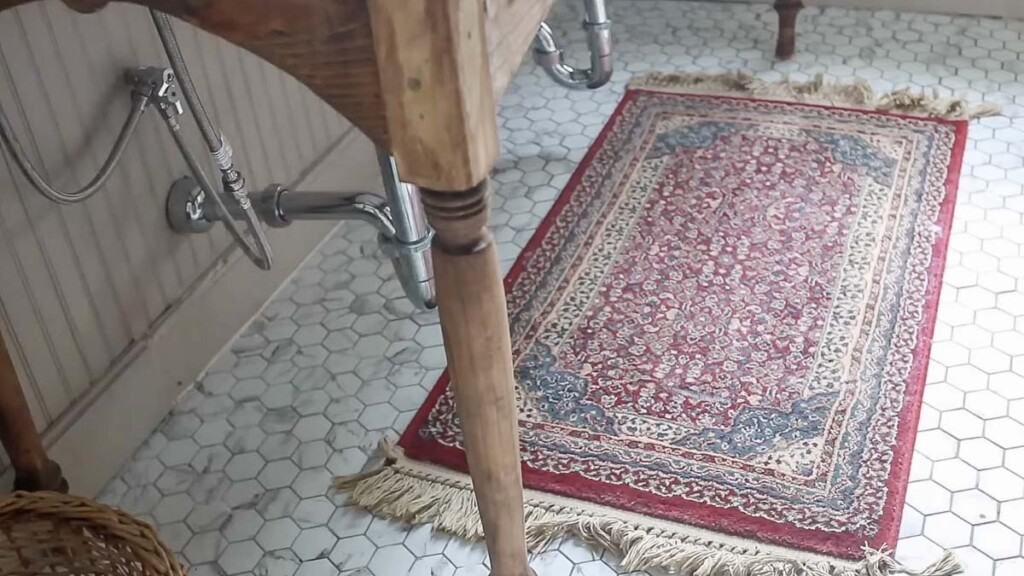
(786, 44)
(33, 470)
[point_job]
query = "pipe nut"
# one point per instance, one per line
(546, 59)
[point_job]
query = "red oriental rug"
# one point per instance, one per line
(720, 335)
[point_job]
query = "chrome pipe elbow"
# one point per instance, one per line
(549, 56)
(278, 207)
(402, 229)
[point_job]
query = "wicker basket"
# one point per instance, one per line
(51, 533)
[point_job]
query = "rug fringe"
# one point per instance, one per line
(400, 491)
(857, 93)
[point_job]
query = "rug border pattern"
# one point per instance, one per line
(709, 516)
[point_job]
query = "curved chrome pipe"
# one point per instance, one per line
(401, 225)
(278, 207)
(548, 55)
(404, 234)
(189, 210)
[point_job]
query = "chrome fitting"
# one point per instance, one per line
(158, 86)
(224, 156)
(150, 81)
(187, 207)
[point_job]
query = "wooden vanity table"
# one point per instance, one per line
(420, 78)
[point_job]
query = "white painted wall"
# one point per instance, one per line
(126, 409)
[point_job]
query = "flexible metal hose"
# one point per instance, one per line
(213, 138)
(21, 159)
(261, 259)
(260, 254)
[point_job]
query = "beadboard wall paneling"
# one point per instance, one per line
(81, 284)
(203, 322)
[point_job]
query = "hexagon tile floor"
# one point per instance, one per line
(235, 478)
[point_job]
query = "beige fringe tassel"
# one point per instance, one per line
(855, 94)
(420, 493)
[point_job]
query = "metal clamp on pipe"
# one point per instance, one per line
(409, 246)
(549, 56)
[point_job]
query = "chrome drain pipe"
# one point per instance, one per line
(409, 247)
(398, 218)
(549, 56)
(279, 207)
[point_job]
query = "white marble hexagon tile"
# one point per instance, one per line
(235, 477)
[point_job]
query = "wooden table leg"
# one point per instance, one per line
(33, 470)
(434, 73)
(786, 43)
(474, 320)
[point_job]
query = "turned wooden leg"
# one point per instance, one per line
(32, 469)
(474, 320)
(443, 135)
(786, 43)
